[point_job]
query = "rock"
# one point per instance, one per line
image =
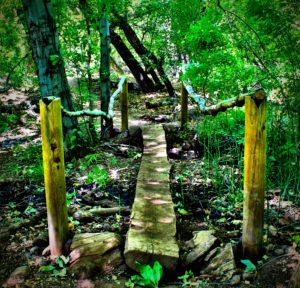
(248, 275)
(174, 153)
(41, 240)
(4, 235)
(93, 253)
(17, 277)
(223, 264)
(200, 245)
(235, 280)
(278, 252)
(85, 283)
(132, 137)
(88, 266)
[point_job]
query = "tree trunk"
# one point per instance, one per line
(106, 124)
(87, 15)
(44, 43)
(139, 74)
(140, 49)
(148, 58)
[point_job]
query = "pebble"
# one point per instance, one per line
(235, 280)
(248, 275)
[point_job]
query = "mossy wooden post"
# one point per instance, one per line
(54, 173)
(184, 107)
(124, 106)
(254, 174)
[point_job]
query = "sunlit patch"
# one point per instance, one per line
(166, 220)
(160, 202)
(113, 174)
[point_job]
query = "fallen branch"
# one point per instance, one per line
(84, 214)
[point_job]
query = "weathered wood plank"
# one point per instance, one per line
(153, 224)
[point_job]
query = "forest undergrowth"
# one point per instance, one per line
(206, 180)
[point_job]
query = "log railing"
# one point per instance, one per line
(122, 90)
(53, 158)
(254, 158)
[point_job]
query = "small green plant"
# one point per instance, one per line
(250, 267)
(70, 197)
(186, 277)
(149, 277)
(58, 269)
(30, 210)
(13, 214)
(98, 176)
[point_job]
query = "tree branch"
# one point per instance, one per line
(243, 21)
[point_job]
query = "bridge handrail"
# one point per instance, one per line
(96, 112)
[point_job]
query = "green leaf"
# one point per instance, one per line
(250, 267)
(46, 268)
(54, 59)
(157, 272)
(182, 211)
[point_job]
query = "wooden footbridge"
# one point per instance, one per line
(151, 235)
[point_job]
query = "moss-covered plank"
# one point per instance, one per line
(153, 224)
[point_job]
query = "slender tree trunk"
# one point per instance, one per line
(87, 15)
(44, 43)
(138, 72)
(148, 58)
(106, 125)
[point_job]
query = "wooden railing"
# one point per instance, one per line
(53, 157)
(254, 158)
(122, 90)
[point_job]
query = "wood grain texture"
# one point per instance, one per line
(254, 176)
(54, 174)
(153, 223)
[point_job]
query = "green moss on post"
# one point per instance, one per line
(54, 173)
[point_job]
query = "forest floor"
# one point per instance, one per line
(200, 202)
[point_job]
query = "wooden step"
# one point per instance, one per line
(151, 235)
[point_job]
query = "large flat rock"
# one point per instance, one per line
(151, 235)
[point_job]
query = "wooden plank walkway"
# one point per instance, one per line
(151, 235)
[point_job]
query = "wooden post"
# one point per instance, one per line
(124, 106)
(254, 174)
(184, 107)
(54, 173)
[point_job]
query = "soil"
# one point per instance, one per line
(201, 199)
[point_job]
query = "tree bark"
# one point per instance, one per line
(138, 72)
(44, 43)
(106, 124)
(149, 59)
